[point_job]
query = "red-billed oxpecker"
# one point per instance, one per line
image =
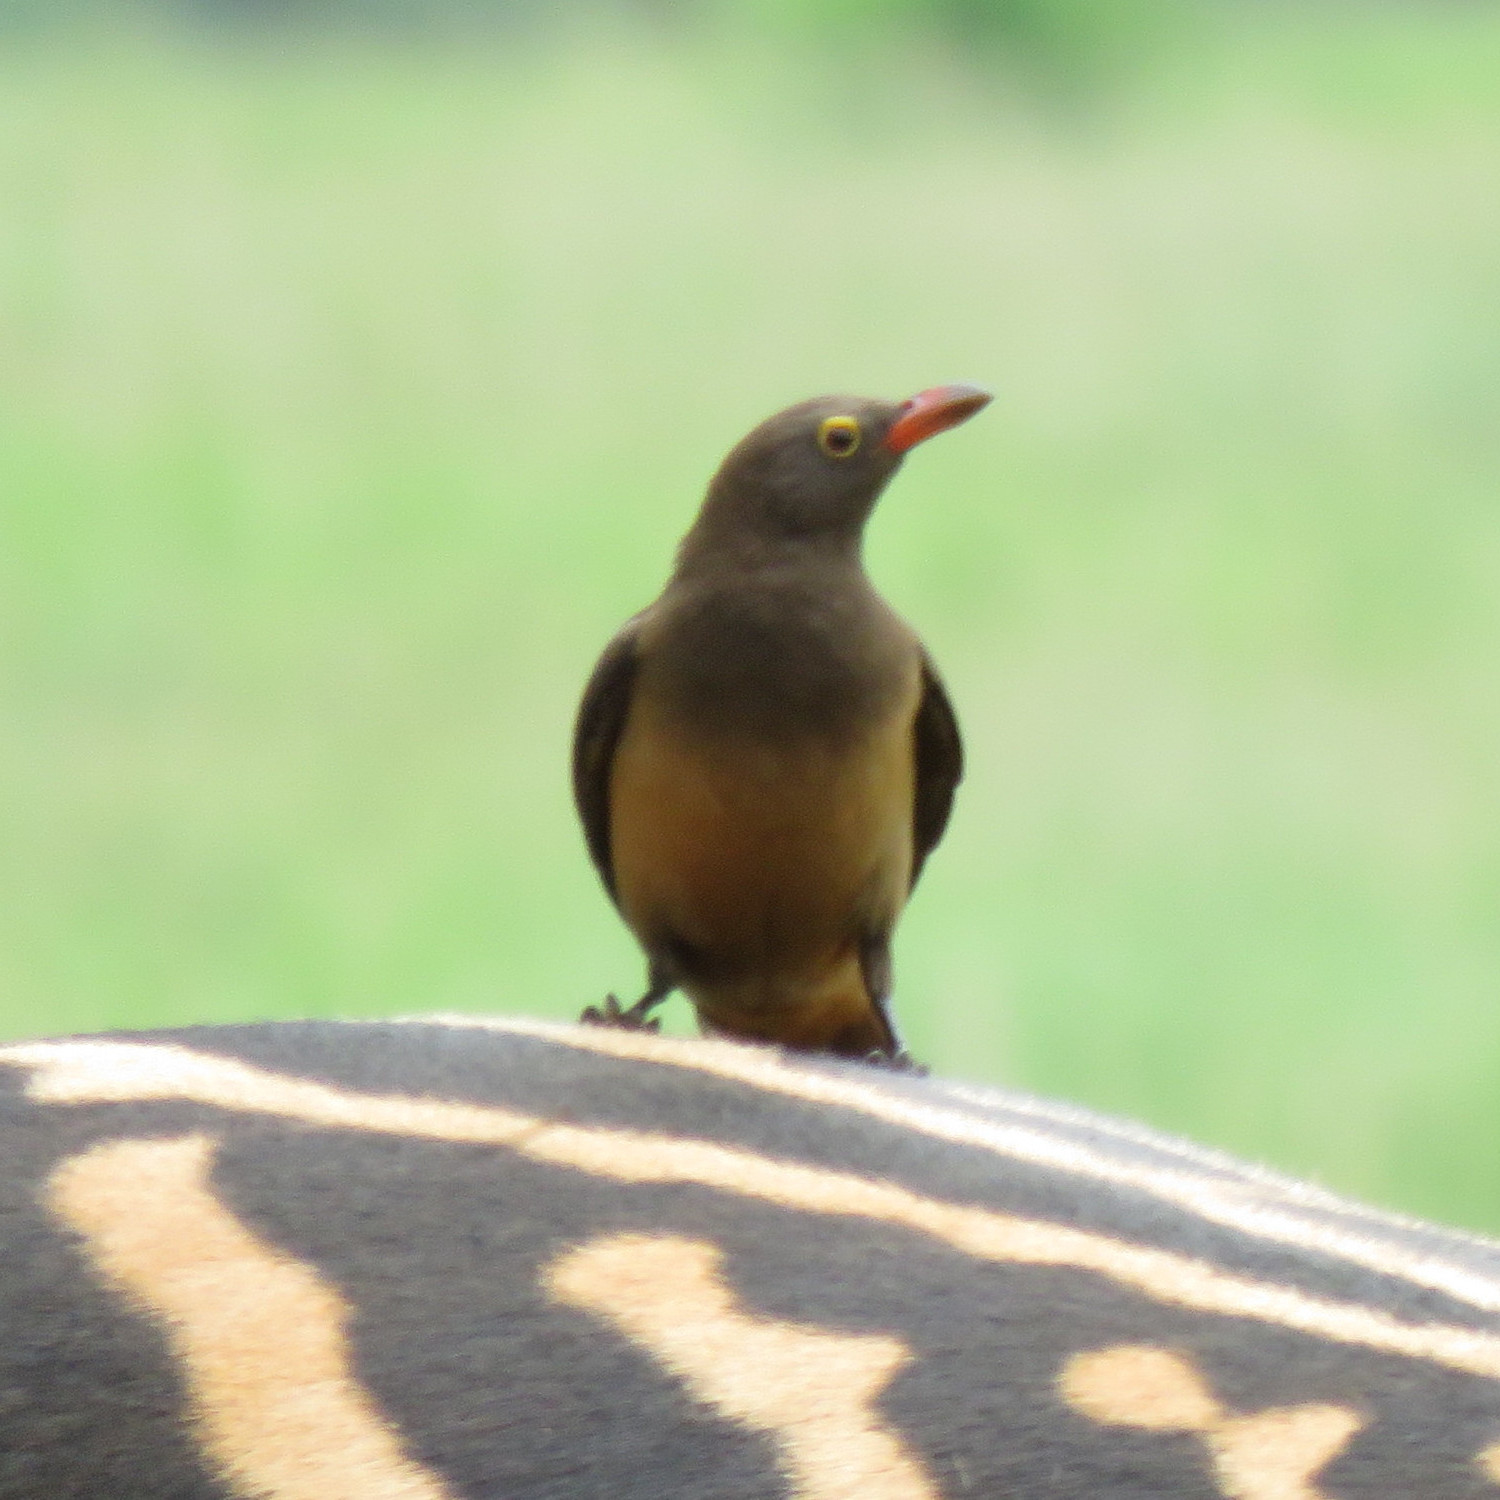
(765, 756)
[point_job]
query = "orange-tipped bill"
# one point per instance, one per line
(931, 412)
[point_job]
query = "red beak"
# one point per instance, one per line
(934, 411)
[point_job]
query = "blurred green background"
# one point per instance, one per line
(359, 369)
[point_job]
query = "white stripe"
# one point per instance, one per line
(100, 1071)
(1244, 1208)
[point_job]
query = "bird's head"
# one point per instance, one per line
(817, 468)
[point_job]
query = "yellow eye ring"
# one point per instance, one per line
(839, 437)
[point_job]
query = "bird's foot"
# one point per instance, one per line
(898, 1062)
(612, 1014)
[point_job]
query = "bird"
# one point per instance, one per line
(765, 756)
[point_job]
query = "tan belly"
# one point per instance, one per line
(769, 862)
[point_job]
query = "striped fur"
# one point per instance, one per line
(455, 1260)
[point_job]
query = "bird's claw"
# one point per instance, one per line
(620, 1018)
(898, 1062)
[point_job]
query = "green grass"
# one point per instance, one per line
(349, 398)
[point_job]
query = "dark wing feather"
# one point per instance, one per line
(601, 720)
(940, 766)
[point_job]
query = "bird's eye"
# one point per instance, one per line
(838, 437)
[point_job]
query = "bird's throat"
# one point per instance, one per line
(783, 659)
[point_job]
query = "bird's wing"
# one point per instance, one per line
(940, 766)
(601, 720)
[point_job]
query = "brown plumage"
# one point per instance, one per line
(765, 756)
